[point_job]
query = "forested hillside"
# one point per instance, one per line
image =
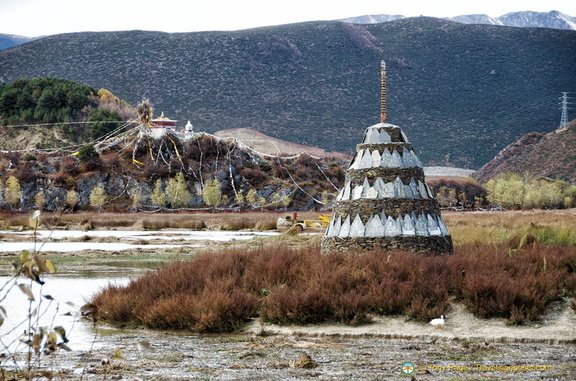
(460, 92)
(54, 112)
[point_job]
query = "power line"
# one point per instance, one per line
(564, 108)
(53, 124)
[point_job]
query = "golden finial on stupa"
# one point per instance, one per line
(383, 92)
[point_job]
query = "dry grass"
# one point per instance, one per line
(509, 228)
(151, 221)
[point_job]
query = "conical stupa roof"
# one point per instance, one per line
(385, 202)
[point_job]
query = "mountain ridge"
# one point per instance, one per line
(521, 19)
(556, 20)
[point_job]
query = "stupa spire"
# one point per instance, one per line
(383, 92)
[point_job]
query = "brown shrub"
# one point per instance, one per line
(352, 308)
(153, 171)
(69, 165)
(112, 160)
(302, 172)
(517, 285)
(193, 224)
(271, 224)
(156, 224)
(217, 311)
(304, 159)
(237, 223)
(219, 291)
(253, 175)
(115, 306)
(16, 219)
(26, 173)
(63, 180)
(94, 164)
(174, 312)
(302, 305)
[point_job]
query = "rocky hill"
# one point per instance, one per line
(460, 92)
(133, 171)
(536, 154)
(272, 146)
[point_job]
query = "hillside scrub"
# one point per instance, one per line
(544, 155)
(465, 192)
(220, 291)
(152, 174)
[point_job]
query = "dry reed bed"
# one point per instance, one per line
(220, 291)
(152, 221)
(510, 227)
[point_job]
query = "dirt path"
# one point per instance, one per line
(329, 354)
(559, 327)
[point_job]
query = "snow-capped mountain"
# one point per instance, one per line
(372, 19)
(476, 19)
(8, 40)
(552, 19)
(525, 19)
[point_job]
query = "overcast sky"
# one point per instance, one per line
(44, 17)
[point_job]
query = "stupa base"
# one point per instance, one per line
(427, 245)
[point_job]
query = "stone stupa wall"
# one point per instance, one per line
(385, 202)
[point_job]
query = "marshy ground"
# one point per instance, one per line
(467, 348)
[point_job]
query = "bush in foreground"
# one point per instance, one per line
(218, 292)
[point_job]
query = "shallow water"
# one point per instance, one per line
(210, 235)
(70, 290)
(42, 240)
(57, 303)
(79, 246)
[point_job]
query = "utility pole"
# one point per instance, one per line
(564, 103)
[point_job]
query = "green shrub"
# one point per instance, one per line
(87, 153)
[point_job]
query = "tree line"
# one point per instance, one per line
(42, 100)
(511, 191)
(507, 191)
(52, 100)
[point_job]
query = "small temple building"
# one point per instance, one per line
(385, 202)
(159, 126)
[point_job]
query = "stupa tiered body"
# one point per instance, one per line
(385, 202)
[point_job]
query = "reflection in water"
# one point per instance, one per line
(57, 303)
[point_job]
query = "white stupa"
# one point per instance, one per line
(188, 130)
